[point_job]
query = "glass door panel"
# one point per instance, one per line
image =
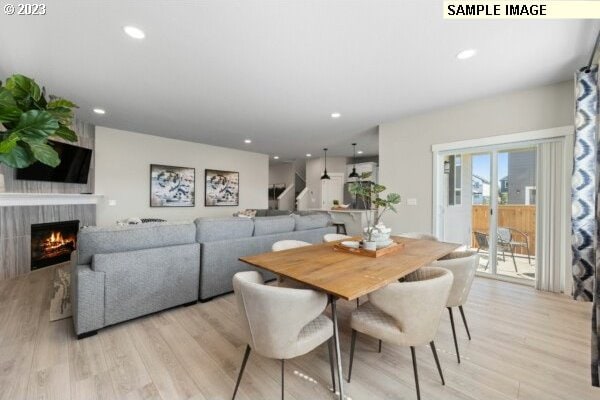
(481, 202)
(516, 213)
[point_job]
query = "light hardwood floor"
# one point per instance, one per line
(526, 345)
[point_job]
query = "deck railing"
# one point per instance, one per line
(516, 216)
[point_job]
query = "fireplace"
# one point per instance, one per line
(52, 243)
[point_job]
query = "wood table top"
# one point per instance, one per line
(349, 276)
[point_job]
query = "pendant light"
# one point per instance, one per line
(353, 174)
(325, 176)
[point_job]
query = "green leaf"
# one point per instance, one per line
(365, 175)
(19, 157)
(378, 188)
(63, 115)
(22, 87)
(66, 133)
(8, 144)
(57, 102)
(9, 111)
(393, 198)
(35, 126)
(45, 154)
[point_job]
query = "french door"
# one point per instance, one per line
(488, 204)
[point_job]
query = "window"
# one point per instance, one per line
(455, 180)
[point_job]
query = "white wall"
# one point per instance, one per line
(314, 171)
(405, 157)
(281, 173)
(123, 174)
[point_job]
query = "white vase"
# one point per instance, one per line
(371, 246)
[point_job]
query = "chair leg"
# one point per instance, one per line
(357, 302)
(239, 379)
(330, 346)
(462, 314)
(437, 361)
(352, 344)
(380, 346)
(512, 253)
(282, 379)
(454, 334)
(414, 360)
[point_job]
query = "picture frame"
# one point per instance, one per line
(172, 186)
(221, 188)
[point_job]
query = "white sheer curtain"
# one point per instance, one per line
(552, 249)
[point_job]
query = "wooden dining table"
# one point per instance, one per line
(342, 275)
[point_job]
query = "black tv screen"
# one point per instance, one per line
(73, 168)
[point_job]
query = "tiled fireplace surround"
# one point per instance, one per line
(16, 219)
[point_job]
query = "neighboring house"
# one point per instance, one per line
(481, 190)
(521, 186)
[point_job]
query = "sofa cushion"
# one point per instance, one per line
(271, 225)
(261, 213)
(305, 222)
(275, 213)
(212, 229)
(105, 240)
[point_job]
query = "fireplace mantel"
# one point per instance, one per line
(44, 199)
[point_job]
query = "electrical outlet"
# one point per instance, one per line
(112, 203)
(411, 202)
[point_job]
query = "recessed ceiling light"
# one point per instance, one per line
(99, 111)
(276, 157)
(336, 115)
(134, 32)
(359, 152)
(466, 54)
(308, 155)
(247, 141)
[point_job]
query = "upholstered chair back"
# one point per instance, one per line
(334, 237)
(463, 265)
(416, 304)
(288, 244)
(274, 317)
(418, 235)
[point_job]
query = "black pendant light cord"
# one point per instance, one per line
(589, 66)
(325, 176)
(353, 174)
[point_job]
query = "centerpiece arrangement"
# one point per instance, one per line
(376, 235)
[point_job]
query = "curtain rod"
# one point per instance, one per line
(589, 66)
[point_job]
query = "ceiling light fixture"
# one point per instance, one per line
(466, 54)
(336, 115)
(353, 174)
(275, 157)
(308, 155)
(359, 152)
(247, 141)
(99, 111)
(134, 32)
(325, 176)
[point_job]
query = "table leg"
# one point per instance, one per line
(336, 342)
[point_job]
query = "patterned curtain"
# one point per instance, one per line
(586, 204)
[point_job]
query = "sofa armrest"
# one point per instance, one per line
(87, 298)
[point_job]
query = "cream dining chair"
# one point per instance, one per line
(280, 323)
(405, 313)
(463, 265)
(287, 245)
(334, 237)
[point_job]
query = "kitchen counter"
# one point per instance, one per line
(354, 220)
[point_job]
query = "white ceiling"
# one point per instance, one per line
(221, 71)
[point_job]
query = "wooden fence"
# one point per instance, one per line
(517, 216)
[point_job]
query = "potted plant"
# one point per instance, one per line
(375, 233)
(28, 119)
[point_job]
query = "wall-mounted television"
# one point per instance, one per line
(73, 168)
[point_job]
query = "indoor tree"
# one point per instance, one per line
(28, 120)
(371, 193)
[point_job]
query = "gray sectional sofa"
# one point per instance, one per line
(124, 272)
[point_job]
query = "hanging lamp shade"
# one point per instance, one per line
(353, 174)
(325, 176)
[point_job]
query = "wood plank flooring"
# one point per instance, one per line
(526, 345)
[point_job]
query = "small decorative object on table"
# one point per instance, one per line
(376, 234)
(354, 247)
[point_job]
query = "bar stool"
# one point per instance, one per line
(340, 227)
